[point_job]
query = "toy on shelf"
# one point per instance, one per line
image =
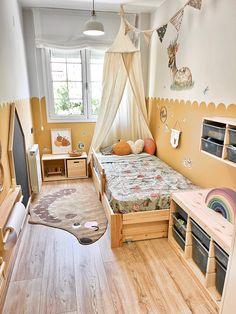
(223, 201)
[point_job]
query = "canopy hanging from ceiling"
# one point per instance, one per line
(122, 72)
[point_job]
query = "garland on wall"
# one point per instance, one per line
(176, 21)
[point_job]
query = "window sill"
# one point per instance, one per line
(71, 121)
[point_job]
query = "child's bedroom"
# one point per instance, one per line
(117, 156)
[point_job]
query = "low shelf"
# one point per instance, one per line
(214, 225)
(64, 167)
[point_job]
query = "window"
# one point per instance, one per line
(74, 84)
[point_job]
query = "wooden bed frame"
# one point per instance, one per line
(131, 226)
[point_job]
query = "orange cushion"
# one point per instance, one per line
(149, 146)
(122, 148)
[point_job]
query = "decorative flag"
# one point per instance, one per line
(195, 4)
(161, 32)
(148, 35)
(176, 20)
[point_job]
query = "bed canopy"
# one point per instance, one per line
(123, 111)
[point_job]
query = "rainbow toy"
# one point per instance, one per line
(222, 201)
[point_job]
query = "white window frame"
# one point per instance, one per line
(86, 86)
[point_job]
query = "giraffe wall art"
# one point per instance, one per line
(181, 78)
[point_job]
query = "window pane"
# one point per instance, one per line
(58, 71)
(77, 106)
(75, 90)
(96, 56)
(74, 72)
(73, 57)
(72, 107)
(96, 97)
(60, 90)
(96, 72)
(57, 56)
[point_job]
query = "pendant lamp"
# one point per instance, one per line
(93, 27)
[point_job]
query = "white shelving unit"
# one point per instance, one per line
(227, 124)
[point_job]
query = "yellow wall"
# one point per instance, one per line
(206, 171)
(24, 111)
(81, 132)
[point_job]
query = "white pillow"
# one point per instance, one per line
(136, 147)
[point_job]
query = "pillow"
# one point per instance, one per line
(136, 147)
(149, 146)
(121, 148)
(107, 150)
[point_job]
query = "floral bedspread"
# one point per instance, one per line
(141, 182)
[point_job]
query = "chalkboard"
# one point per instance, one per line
(20, 159)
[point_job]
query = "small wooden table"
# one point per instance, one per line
(64, 167)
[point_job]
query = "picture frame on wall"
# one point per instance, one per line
(61, 141)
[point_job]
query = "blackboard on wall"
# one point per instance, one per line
(20, 159)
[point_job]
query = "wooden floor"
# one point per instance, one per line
(55, 274)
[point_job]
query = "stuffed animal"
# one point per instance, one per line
(121, 148)
(149, 146)
(136, 147)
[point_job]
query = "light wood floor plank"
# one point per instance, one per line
(58, 282)
(188, 288)
(104, 243)
(163, 281)
(30, 259)
(24, 297)
(93, 295)
(138, 286)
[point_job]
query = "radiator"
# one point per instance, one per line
(35, 168)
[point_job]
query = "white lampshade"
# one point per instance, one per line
(93, 27)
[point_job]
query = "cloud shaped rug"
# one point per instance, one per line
(76, 210)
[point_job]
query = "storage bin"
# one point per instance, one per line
(232, 136)
(179, 223)
(200, 234)
(210, 146)
(221, 255)
(220, 277)
(182, 212)
(178, 238)
(231, 150)
(199, 254)
(214, 130)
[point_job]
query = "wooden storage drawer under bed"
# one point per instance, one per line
(76, 168)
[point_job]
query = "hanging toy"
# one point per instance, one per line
(175, 136)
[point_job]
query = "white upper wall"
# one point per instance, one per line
(14, 81)
(206, 45)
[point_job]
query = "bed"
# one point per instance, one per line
(135, 192)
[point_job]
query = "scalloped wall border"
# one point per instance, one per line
(176, 101)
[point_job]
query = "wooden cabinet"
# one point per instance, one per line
(218, 230)
(218, 139)
(62, 167)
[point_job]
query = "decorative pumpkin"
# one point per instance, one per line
(122, 148)
(149, 146)
(136, 147)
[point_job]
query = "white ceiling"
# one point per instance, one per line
(135, 6)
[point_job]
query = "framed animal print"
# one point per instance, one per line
(61, 141)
